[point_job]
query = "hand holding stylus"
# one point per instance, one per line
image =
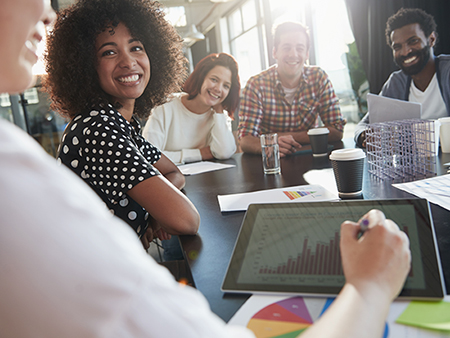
(380, 258)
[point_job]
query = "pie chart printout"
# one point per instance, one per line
(287, 318)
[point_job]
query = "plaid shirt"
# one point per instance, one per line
(264, 108)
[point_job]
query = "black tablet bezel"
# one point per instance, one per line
(434, 284)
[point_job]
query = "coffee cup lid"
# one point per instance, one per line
(347, 154)
(444, 120)
(318, 131)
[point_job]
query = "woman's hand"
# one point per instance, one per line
(162, 235)
(147, 238)
(218, 108)
(206, 153)
(380, 258)
(375, 268)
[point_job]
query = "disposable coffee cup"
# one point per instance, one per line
(348, 168)
(444, 134)
(270, 153)
(318, 137)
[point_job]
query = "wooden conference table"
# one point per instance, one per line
(209, 252)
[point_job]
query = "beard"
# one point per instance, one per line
(423, 55)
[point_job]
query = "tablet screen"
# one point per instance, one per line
(294, 248)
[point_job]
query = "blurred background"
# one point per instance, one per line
(347, 38)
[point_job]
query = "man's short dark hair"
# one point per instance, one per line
(287, 27)
(408, 16)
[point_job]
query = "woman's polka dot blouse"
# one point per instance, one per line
(110, 155)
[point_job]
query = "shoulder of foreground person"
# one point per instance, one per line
(79, 271)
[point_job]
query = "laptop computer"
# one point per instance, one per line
(385, 109)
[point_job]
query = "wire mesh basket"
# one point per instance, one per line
(403, 149)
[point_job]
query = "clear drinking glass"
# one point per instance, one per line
(270, 153)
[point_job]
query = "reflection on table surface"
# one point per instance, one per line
(208, 253)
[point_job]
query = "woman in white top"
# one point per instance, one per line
(194, 125)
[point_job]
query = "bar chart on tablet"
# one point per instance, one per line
(288, 248)
(283, 254)
(324, 260)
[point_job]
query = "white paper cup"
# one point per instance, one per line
(444, 134)
(270, 153)
(348, 168)
(318, 137)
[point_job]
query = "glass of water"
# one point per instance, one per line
(270, 153)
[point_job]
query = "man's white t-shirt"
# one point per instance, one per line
(290, 93)
(433, 105)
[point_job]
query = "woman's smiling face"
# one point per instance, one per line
(123, 66)
(22, 27)
(216, 86)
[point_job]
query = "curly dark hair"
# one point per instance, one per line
(408, 16)
(194, 83)
(72, 80)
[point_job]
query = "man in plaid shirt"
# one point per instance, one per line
(289, 97)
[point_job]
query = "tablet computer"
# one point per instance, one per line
(294, 248)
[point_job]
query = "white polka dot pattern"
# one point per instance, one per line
(109, 153)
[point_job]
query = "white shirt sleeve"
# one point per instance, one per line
(157, 131)
(222, 141)
(71, 269)
(177, 311)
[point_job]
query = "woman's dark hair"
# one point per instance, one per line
(194, 83)
(72, 81)
(408, 16)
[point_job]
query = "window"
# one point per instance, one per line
(287, 10)
(330, 39)
(246, 40)
(42, 123)
(176, 16)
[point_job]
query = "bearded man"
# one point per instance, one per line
(423, 77)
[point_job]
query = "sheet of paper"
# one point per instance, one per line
(436, 189)
(202, 167)
(323, 177)
(300, 193)
(262, 312)
(429, 315)
(309, 308)
(384, 109)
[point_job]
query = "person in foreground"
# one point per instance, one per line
(289, 98)
(71, 269)
(194, 125)
(423, 77)
(108, 62)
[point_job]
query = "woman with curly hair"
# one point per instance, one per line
(109, 61)
(194, 125)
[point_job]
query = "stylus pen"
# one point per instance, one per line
(364, 225)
